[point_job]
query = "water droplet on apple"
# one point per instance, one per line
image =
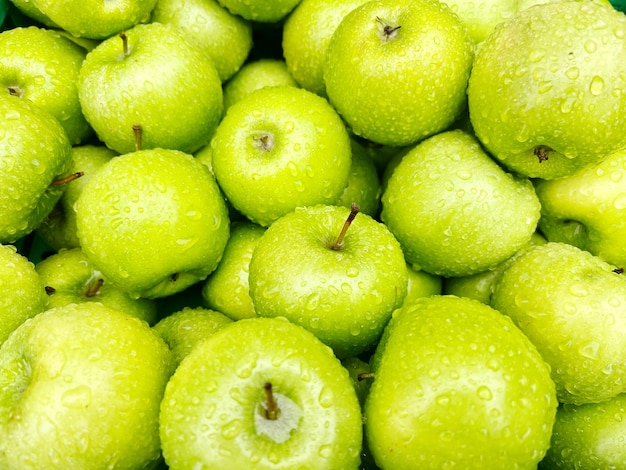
(590, 46)
(326, 397)
(597, 85)
(210, 386)
(443, 400)
(231, 429)
(572, 73)
(620, 202)
(578, 290)
(76, 397)
(484, 393)
(326, 451)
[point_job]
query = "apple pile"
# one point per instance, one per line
(321, 234)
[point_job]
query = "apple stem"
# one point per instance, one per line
(50, 290)
(541, 152)
(389, 32)
(124, 43)
(354, 210)
(94, 288)
(67, 179)
(271, 407)
(138, 131)
(365, 376)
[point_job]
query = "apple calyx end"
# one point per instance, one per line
(270, 410)
(264, 141)
(67, 179)
(541, 152)
(387, 31)
(15, 90)
(354, 210)
(50, 290)
(618, 270)
(365, 376)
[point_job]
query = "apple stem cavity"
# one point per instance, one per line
(365, 376)
(541, 152)
(67, 179)
(264, 141)
(124, 43)
(271, 410)
(354, 210)
(138, 131)
(388, 32)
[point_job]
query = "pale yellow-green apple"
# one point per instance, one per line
(154, 78)
(306, 35)
(36, 156)
(261, 393)
(69, 278)
(279, 148)
(572, 306)
(588, 209)
(421, 284)
(42, 66)
(80, 387)
(588, 436)
(227, 289)
(454, 210)
(254, 75)
(260, 11)
(397, 70)
(22, 293)
(548, 104)
(363, 183)
(31, 11)
(225, 37)
(184, 329)
(58, 229)
(336, 272)
(456, 381)
(153, 222)
(94, 19)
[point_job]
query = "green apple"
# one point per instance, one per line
(95, 19)
(358, 369)
(397, 70)
(225, 37)
(456, 384)
(42, 66)
(31, 11)
(555, 101)
(80, 387)
(306, 35)
(58, 229)
(338, 273)
(185, 329)
(572, 306)
(481, 18)
(279, 148)
(259, 10)
(363, 183)
(227, 289)
(447, 201)
(261, 393)
(479, 286)
(588, 436)
(22, 293)
(36, 155)
(153, 222)
(69, 277)
(588, 209)
(421, 284)
(142, 79)
(254, 75)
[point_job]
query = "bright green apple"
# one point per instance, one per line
(185, 329)
(481, 18)
(155, 79)
(454, 210)
(397, 70)
(457, 384)
(279, 148)
(254, 75)
(58, 229)
(547, 105)
(588, 209)
(421, 284)
(338, 273)
(31, 11)
(153, 222)
(259, 10)
(225, 37)
(306, 35)
(35, 158)
(227, 289)
(261, 393)
(588, 436)
(22, 293)
(80, 387)
(572, 306)
(42, 66)
(95, 19)
(69, 277)
(363, 183)
(479, 286)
